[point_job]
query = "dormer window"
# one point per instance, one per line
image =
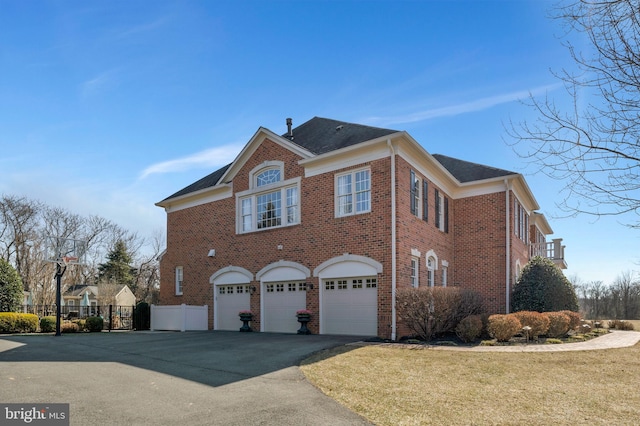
(270, 201)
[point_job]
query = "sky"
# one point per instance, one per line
(109, 107)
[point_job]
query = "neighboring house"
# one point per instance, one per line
(334, 217)
(79, 294)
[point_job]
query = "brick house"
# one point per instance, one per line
(334, 217)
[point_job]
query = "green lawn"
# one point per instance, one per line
(413, 385)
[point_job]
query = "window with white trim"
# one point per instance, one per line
(270, 202)
(353, 193)
(431, 271)
(415, 272)
(414, 193)
(179, 278)
(521, 223)
(444, 275)
(442, 211)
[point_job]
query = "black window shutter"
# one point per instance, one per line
(437, 219)
(425, 198)
(446, 214)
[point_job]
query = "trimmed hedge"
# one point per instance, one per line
(94, 324)
(470, 328)
(538, 322)
(47, 324)
(503, 327)
(558, 324)
(575, 319)
(11, 322)
(620, 325)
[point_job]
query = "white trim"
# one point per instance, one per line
(320, 270)
(394, 266)
(179, 284)
(416, 253)
(267, 273)
(433, 254)
(197, 198)
(241, 275)
(276, 164)
(354, 201)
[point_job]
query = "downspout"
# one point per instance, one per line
(393, 240)
(508, 245)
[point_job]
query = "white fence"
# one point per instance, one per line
(179, 317)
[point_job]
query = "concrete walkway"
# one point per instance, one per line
(615, 339)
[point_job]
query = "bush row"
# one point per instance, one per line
(11, 322)
(551, 324)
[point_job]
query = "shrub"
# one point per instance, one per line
(26, 323)
(538, 322)
(431, 311)
(558, 324)
(469, 328)
(94, 324)
(11, 291)
(553, 341)
(575, 320)
(503, 327)
(621, 325)
(82, 324)
(543, 287)
(11, 322)
(8, 322)
(47, 324)
(69, 327)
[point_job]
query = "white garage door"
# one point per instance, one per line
(280, 303)
(350, 306)
(231, 299)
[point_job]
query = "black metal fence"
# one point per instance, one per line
(116, 317)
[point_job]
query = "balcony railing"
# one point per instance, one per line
(553, 250)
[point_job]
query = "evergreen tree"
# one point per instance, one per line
(10, 288)
(118, 267)
(542, 287)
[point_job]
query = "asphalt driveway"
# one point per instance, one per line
(171, 378)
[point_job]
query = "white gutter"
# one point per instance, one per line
(508, 244)
(393, 240)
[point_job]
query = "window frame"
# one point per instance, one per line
(431, 271)
(414, 274)
(179, 280)
(247, 204)
(414, 193)
(353, 194)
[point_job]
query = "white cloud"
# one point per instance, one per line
(214, 157)
(462, 108)
(99, 83)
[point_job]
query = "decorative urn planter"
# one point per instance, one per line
(245, 317)
(304, 317)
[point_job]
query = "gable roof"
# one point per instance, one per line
(318, 136)
(79, 289)
(466, 171)
(206, 182)
(322, 135)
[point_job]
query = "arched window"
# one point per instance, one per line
(431, 267)
(268, 176)
(270, 201)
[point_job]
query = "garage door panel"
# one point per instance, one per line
(231, 299)
(280, 302)
(350, 306)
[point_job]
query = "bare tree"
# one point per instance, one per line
(594, 145)
(626, 296)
